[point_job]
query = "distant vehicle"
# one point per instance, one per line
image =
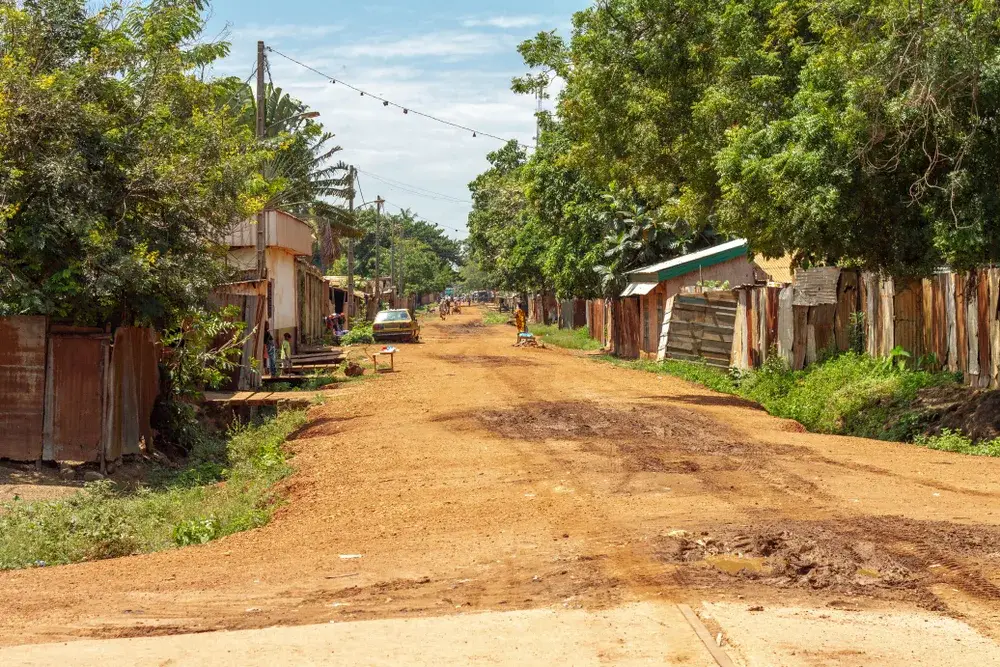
(396, 325)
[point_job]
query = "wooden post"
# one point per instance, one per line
(350, 259)
(261, 131)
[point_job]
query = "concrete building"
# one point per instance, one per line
(290, 279)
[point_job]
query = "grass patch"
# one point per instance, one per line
(573, 339)
(490, 317)
(225, 488)
(850, 394)
(711, 377)
(954, 441)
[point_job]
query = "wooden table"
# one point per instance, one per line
(392, 362)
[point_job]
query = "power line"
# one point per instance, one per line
(417, 190)
(387, 103)
(420, 217)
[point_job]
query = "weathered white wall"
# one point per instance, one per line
(281, 273)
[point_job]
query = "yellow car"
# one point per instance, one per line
(396, 325)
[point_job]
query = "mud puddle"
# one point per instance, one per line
(885, 557)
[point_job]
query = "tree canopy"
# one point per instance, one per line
(858, 132)
(120, 167)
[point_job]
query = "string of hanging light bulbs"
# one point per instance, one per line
(389, 103)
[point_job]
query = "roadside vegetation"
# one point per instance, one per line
(490, 317)
(360, 334)
(224, 487)
(849, 394)
(573, 339)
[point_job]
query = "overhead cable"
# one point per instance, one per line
(387, 103)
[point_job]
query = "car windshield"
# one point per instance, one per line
(393, 316)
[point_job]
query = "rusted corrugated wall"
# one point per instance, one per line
(314, 302)
(625, 327)
(949, 321)
(64, 396)
(74, 395)
(134, 384)
(597, 319)
(22, 387)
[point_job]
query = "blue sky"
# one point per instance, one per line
(450, 59)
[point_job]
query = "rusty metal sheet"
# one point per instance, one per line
(786, 325)
(74, 399)
(816, 287)
(960, 320)
(133, 387)
(847, 304)
(22, 387)
(983, 317)
(972, 325)
(907, 318)
(994, 315)
(801, 335)
(772, 316)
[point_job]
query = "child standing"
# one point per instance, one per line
(286, 353)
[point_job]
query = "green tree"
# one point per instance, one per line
(120, 167)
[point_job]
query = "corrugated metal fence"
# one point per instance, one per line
(69, 394)
(950, 320)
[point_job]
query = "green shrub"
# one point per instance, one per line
(954, 441)
(226, 488)
(573, 339)
(360, 334)
(702, 373)
(850, 393)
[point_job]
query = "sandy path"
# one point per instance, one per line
(484, 477)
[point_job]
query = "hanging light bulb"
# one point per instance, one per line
(385, 104)
(473, 135)
(362, 93)
(406, 111)
(333, 81)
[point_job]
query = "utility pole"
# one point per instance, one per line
(377, 290)
(350, 258)
(261, 130)
(402, 266)
(392, 262)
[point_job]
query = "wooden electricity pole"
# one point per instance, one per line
(350, 258)
(377, 290)
(392, 262)
(261, 131)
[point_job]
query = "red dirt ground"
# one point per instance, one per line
(483, 476)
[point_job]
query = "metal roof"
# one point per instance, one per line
(679, 266)
(638, 289)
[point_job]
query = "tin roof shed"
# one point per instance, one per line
(643, 280)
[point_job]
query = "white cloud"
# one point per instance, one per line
(270, 32)
(408, 148)
(505, 22)
(438, 44)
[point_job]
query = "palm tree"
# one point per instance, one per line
(303, 166)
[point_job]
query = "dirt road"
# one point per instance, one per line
(485, 477)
